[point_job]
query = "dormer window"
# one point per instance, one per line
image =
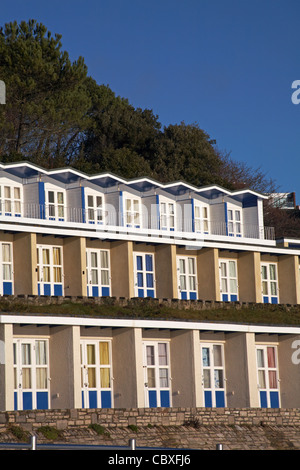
(201, 218)
(132, 212)
(167, 215)
(95, 209)
(10, 197)
(55, 204)
(234, 225)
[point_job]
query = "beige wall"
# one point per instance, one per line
(208, 274)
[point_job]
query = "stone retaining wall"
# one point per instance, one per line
(192, 428)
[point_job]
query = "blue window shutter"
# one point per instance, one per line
(193, 214)
(226, 217)
(83, 203)
(41, 186)
(121, 208)
(158, 211)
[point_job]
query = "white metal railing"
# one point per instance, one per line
(151, 223)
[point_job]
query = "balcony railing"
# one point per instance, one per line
(113, 220)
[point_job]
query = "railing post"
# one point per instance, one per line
(132, 444)
(219, 447)
(33, 443)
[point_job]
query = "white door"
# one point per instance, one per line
(269, 281)
(157, 374)
(267, 375)
(213, 375)
(228, 280)
(98, 272)
(187, 278)
(50, 270)
(96, 374)
(31, 374)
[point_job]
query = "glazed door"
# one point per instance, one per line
(157, 374)
(144, 275)
(268, 380)
(96, 374)
(98, 273)
(213, 375)
(187, 278)
(31, 374)
(50, 270)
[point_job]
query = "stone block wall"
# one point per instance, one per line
(188, 428)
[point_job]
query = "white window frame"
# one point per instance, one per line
(159, 374)
(55, 210)
(167, 212)
(187, 278)
(226, 279)
(11, 204)
(209, 376)
(132, 211)
(234, 220)
(95, 209)
(99, 270)
(268, 284)
(201, 217)
(54, 269)
(264, 380)
(97, 366)
(32, 366)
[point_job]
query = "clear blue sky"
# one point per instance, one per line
(227, 65)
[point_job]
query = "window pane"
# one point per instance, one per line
(26, 354)
(104, 278)
(56, 256)
(217, 349)
(104, 353)
(26, 378)
(41, 378)
(60, 198)
(260, 357)
(162, 354)
(261, 379)
(51, 197)
(7, 192)
(151, 378)
(104, 259)
(91, 357)
(17, 194)
(40, 351)
(90, 200)
(150, 355)
(272, 379)
(163, 378)
(206, 379)
(271, 357)
(232, 269)
(218, 377)
(205, 357)
(92, 377)
(105, 377)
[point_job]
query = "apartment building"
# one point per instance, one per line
(64, 233)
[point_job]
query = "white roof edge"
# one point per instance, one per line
(141, 323)
(128, 181)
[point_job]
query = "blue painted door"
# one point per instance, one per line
(144, 275)
(157, 374)
(213, 375)
(268, 377)
(187, 278)
(96, 387)
(31, 368)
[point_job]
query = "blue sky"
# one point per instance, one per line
(227, 65)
